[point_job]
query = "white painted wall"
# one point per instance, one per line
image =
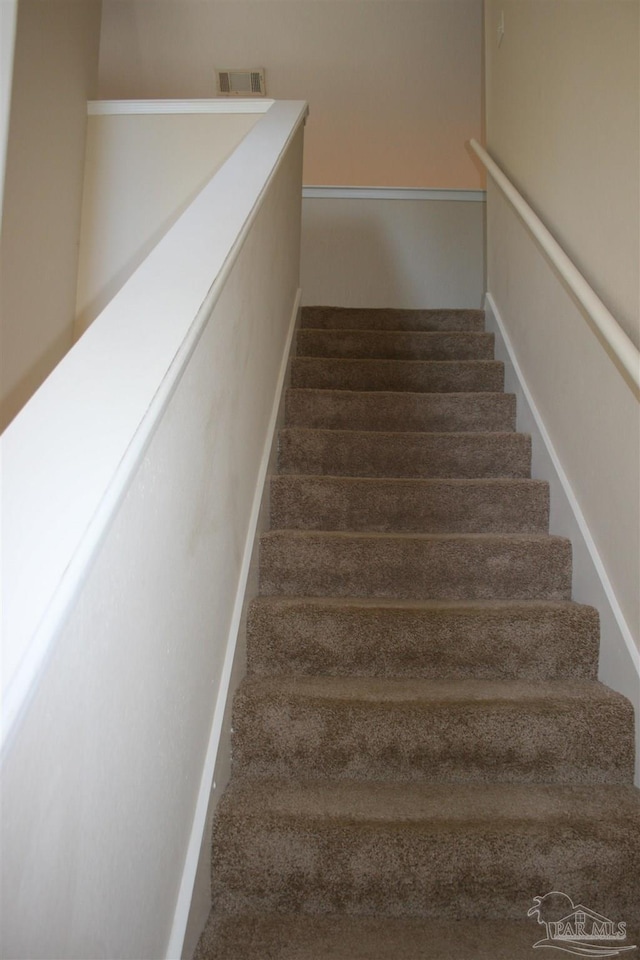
(141, 172)
(119, 641)
(393, 252)
(55, 72)
(563, 114)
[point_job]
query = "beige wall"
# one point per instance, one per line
(563, 106)
(55, 72)
(141, 172)
(393, 85)
(563, 120)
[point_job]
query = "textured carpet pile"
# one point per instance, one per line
(420, 745)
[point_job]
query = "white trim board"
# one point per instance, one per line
(391, 193)
(619, 657)
(109, 108)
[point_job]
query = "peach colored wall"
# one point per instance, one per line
(55, 72)
(394, 86)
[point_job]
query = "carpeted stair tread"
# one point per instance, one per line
(410, 505)
(424, 412)
(340, 937)
(437, 639)
(448, 851)
(425, 730)
(395, 344)
(354, 318)
(442, 376)
(419, 566)
(383, 454)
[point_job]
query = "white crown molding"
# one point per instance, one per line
(391, 193)
(109, 108)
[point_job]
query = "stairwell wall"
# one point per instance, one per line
(55, 72)
(563, 115)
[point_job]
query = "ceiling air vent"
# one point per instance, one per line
(241, 83)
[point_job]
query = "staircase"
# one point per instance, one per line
(421, 745)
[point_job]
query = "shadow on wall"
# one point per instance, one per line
(17, 396)
(393, 253)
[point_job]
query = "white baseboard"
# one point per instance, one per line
(619, 657)
(217, 761)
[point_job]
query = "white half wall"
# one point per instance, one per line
(393, 248)
(153, 437)
(141, 172)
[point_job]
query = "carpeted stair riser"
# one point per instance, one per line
(395, 345)
(424, 412)
(407, 506)
(416, 566)
(447, 851)
(353, 318)
(338, 728)
(455, 376)
(434, 640)
(377, 454)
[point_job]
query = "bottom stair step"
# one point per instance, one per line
(436, 851)
(274, 937)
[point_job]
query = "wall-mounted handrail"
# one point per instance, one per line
(623, 349)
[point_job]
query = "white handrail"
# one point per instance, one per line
(623, 349)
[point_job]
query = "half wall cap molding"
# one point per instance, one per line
(108, 108)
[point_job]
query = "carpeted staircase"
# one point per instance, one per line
(420, 746)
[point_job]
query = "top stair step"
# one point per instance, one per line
(383, 318)
(395, 344)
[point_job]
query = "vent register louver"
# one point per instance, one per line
(241, 83)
